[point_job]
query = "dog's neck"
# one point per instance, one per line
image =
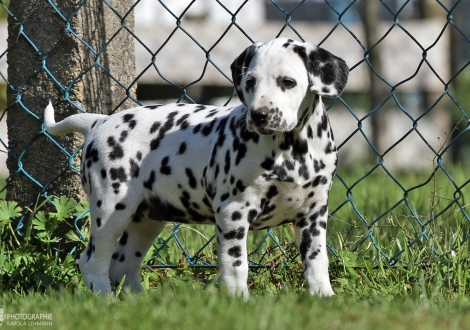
(308, 134)
(307, 108)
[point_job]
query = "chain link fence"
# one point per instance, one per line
(401, 125)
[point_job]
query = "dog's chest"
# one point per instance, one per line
(292, 189)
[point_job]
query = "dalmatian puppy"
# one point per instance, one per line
(267, 162)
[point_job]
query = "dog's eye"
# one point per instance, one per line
(289, 83)
(286, 83)
(251, 82)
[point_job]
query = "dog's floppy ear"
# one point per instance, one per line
(327, 73)
(240, 66)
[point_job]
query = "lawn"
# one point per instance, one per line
(424, 287)
(185, 307)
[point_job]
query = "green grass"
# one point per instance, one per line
(426, 289)
(185, 307)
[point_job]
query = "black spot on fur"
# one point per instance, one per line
(200, 107)
(116, 150)
(236, 234)
(236, 216)
(322, 125)
(224, 197)
(129, 119)
(227, 162)
(116, 186)
(318, 165)
(235, 251)
(182, 121)
(268, 164)
(192, 180)
(182, 148)
(124, 237)
(329, 148)
(314, 254)
(138, 254)
(289, 164)
(152, 106)
(304, 172)
(305, 243)
(240, 186)
(309, 132)
(91, 153)
(98, 222)
(123, 136)
(252, 214)
(213, 155)
(134, 169)
(272, 192)
(302, 223)
(237, 263)
(89, 249)
(155, 126)
(103, 173)
(207, 129)
(120, 206)
(151, 180)
(320, 179)
(155, 143)
(122, 258)
(165, 169)
(118, 174)
(241, 153)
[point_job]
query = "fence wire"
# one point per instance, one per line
(360, 230)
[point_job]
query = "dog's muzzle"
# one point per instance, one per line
(259, 121)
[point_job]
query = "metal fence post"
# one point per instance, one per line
(60, 51)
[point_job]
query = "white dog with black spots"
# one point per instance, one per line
(267, 162)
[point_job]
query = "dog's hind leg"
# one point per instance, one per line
(110, 216)
(131, 249)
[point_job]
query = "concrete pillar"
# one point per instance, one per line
(53, 47)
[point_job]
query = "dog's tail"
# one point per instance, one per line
(76, 123)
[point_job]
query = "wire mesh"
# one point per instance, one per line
(341, 28)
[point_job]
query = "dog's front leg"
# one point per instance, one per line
(232, 255)
(310, 234)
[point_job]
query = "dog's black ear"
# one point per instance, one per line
(327, 73)
(239, 67)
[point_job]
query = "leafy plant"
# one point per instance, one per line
(32, 260)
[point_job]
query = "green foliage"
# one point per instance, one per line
(33, 261)
(432, 272)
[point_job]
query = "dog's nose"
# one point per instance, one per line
(260, 116)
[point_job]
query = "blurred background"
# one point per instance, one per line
(418, 51)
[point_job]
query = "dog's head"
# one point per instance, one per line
(278, 79)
